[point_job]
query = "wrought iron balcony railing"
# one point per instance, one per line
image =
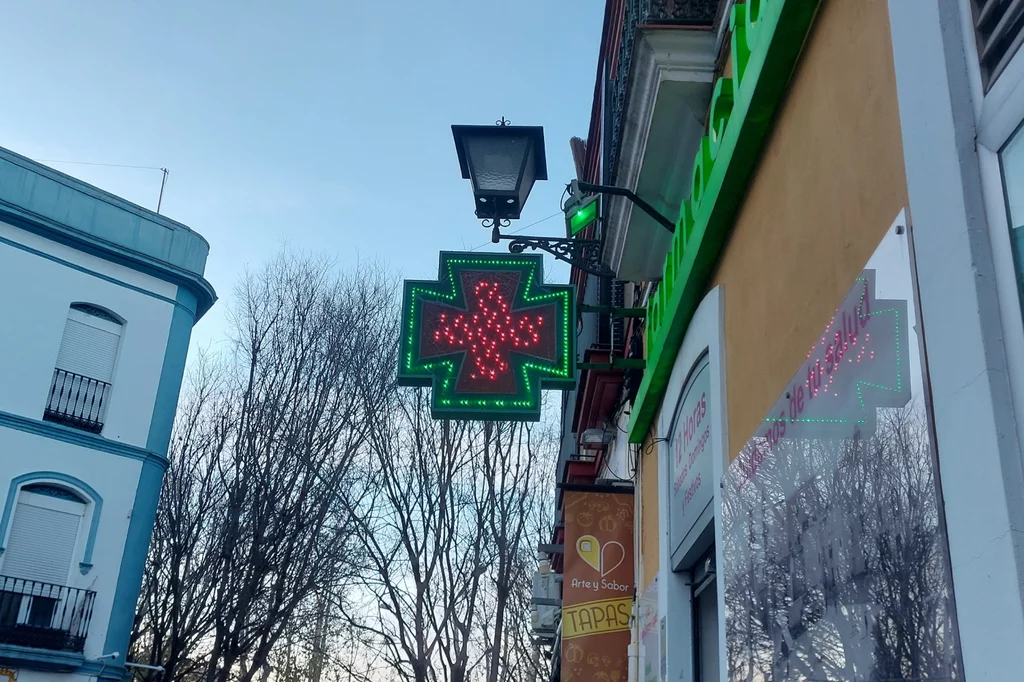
(44, 616)
(77, 401)
(640, 13)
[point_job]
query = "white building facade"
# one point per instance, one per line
(101, 299)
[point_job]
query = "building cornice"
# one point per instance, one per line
(81, 438)
(47, 202)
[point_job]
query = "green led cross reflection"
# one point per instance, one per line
(895, 386)
(445, 374)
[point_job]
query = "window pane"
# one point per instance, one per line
(834, 556)
(1012, 158)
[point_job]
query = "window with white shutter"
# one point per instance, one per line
(44, 532)
(84, 368)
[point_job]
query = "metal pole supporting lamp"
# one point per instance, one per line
(502, 162)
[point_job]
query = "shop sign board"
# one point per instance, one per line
(690, 446)
(487, 336)
(767, 38)
(597, 585)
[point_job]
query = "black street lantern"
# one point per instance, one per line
(502, 161)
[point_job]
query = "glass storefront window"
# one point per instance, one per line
(1012, 161)
(835, 559)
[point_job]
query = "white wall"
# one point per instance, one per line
(978, 451)
(38, 293)
(114, 478)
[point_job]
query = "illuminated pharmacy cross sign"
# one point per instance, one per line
(491, 331)
(488, 336)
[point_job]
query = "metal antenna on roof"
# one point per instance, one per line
(162, 183)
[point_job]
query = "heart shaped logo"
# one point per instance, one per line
(608, 555)
(604, 559)
(589, 550)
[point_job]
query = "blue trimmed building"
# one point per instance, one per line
(101, 297)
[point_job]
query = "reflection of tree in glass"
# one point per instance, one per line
(835, 561)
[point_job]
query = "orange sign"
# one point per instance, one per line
(597, 586)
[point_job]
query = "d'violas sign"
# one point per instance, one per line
(488, 335)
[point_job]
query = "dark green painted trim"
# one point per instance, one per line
(201, 289)
(175, 353)
(39, 659)
(81, 438)
(765, 50)
(133, 559)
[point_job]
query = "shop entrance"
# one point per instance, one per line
(705, 620)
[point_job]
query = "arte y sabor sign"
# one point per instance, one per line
(597, 585)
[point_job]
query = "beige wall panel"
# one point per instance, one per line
(829, 184)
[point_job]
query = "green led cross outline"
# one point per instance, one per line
(440, 373)
(860, 384)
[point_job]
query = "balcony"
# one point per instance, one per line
(77, 401)
(658, 87)
(648, 15)
(604, 339)
(36, 615)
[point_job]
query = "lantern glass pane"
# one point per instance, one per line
(529, 176)
(495, 161)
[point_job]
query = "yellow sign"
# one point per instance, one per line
(596, 617)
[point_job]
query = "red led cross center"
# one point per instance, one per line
(488, 331)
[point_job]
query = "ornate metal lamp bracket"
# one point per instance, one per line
(584, 254)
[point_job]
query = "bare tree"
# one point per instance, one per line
(446, 521)
(312, 359)
(516, 463)
(318, 526)
(175, 611)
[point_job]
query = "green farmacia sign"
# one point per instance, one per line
(488, 335)
(767, 37)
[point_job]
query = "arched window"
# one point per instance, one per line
(57, 492)
(49, 518)
(84, 368)
(49, 490)
(44, 533)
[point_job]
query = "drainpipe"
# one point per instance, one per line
(638, 566)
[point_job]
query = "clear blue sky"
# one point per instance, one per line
(324, 125)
